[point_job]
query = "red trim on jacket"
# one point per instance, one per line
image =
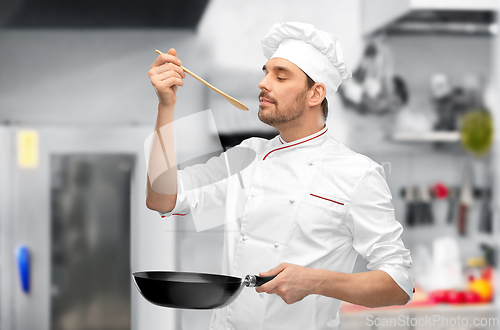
(175, 214)
(294, 144)
(331, 200)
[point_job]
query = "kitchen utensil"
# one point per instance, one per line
(410, 207)
(439, 203)
(418, 206)
(466, 200)
(426, 211)
(230, 99)
(193, 290)
(375, 88)
(444, 103)
(486, 216)
(452, 205)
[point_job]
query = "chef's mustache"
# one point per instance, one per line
(265, 95)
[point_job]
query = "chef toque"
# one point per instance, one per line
(315, 52)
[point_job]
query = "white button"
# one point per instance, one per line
(292, 200)
(253, 195)
(270, 156)
(310, 163)
(276, 245)
(244, 238)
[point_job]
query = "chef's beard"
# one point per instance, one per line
(278, 116)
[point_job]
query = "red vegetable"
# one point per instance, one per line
(472, 297)
(456, 297)
(439, 296)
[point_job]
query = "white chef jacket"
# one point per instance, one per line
(312, 202)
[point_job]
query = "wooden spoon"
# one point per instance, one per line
(230, 99)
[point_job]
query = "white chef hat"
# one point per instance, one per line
(315, 52)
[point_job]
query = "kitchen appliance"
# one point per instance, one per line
(429, 16)
(193, 290)
(79, 212)
(23, 262)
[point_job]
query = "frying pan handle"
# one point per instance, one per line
(256, 281)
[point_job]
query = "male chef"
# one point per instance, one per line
(310, 204)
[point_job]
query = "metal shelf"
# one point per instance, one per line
(436, 136)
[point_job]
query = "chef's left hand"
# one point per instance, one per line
(293, 282)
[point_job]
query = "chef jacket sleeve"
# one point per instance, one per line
(376, 232)
(201, 187)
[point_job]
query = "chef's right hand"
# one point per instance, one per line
(166, 75)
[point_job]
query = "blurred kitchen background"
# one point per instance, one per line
(76, 105)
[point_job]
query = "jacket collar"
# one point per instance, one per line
(313, 140)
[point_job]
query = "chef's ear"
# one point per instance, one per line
(318, 94)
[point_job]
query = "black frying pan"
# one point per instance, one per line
(193, 290)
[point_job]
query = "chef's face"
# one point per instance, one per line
(283, 95)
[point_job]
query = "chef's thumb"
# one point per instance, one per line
(172, 51)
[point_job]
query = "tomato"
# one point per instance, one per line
(472, 297)
(455, 297)
(439, 296)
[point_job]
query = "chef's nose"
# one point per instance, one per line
(263, 85)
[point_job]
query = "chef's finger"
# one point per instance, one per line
(156, 77)
(167, 74)
(276, 270)
(166, 58)
(277, 290)
(269, 286)
(167, 83)
(167, 67)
